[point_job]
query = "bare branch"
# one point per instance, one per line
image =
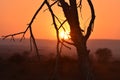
(32, 39)
(58, 40)
(30, 44)
(53, 17)
(62, 24)
(11, 35)
(80, 6)
(52, 5)
(68, 42)
(29, 25)
(89, 29)
(62, 43)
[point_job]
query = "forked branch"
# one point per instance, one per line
(32, 38)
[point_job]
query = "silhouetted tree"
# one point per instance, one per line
(78, 38)
(103, 55)
(16, 58)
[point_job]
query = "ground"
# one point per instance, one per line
(24, 68)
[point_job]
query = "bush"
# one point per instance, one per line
(103, 54)
(16, 58)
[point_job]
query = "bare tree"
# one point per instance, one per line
(78, 38)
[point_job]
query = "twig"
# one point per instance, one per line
(62, 24)
(32, 38)
(62, 43)
(68, 42)
(51, 5)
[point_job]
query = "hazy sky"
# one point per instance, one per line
(16, 14)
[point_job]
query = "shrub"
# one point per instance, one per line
(103, 54)
(16, 58)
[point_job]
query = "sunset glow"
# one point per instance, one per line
(16, 14)
(64, 35)
(59, 39)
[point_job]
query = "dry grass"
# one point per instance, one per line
(31, 69)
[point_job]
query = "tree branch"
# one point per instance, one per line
(68, 42)
(30, 28)
(62, 43)
(89, 29)
(58, 40)
(62, 25)
(11, 35)
(52, 5)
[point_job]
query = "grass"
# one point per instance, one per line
(30, 69)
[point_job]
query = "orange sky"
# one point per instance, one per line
(16, 14)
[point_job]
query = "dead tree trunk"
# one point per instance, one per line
(84, 62)
(79, 39)
(71, 13)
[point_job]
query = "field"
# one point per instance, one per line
(20, 68)
(16, 63)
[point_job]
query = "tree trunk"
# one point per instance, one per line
(84, 62)
(83, 55)
(79, 40)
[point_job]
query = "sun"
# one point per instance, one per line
(65, 35)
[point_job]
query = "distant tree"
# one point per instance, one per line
(79, 36)
(16, 58)
(103, 55)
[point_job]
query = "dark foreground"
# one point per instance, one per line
(24, 68)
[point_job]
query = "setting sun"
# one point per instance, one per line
(64, 35)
